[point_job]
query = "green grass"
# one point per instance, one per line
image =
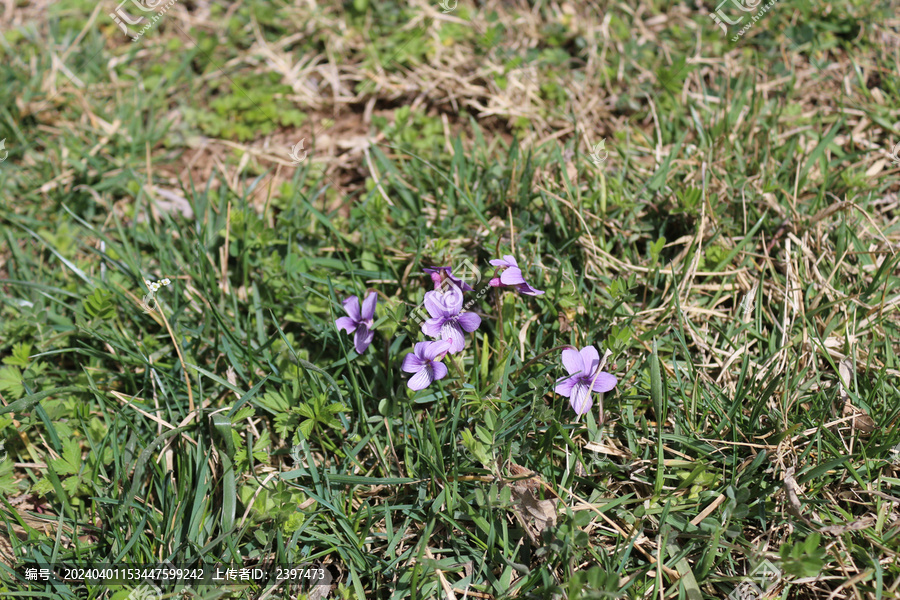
(734, 250)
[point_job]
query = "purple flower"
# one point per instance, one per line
(441, 274)
(424, 362)
(447, 322)
(359, 321)
(584, 376)
(511, 275)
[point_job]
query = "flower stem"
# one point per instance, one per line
(499, 317)
(187, 378)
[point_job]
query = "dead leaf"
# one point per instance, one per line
(563, 322)
(534, 514)
(605, 449)
(792, 492)
(864, 423)
(169, 201)
(844, 375)
(861, 420)
(876, 168)
(863, 523)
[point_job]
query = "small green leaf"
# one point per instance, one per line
(11, 381)
(71, 484)
(336, 408)
(329, 421)
(275, 401)
(42, 487)
(261, 446)
(484, 435)
(241, 414)
(306, 427)
(236, 438)
(99, 305)
(582, 518)
(490, 419)
(70, 461)
(20, 355)
(263, 442)
(8, 484)
(655, 250)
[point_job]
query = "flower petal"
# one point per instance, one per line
(453, 333)
(450, 299)
(412, 363)
(439, 370)
(351, 305)
(591, 359)
(495, 282)
(572, 361)
(604, 382)
(564, 386)
(512, 276)
(436, 274)
(363, 338)
(435, 349)
(462, 285)
(368, 307)
(510, 260)
(469, 321)
(420, 380)
(580, 399)
(346, 324)
(528, 290)
(421, 348)
(432, 305)
(432, 327)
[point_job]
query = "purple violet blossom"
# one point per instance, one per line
(359, 321)
(584, 376)
(424, 361)
(511, 275)
(441, 274)
(447, 322)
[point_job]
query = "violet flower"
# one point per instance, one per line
(511, 276)
(584, 376)
(447, 322)
(359, 321)
(424, 361)
(439, 275)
